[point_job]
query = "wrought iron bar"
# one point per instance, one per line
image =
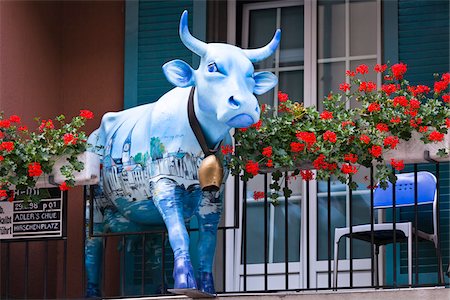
(350, 195)
(307, 236)
(394, 229)
(143, 265)
(244, 232)
(329, 230)
(266, 283)
(45, 275)
(163, 262)
(372, 238)
(224, 273)
(286, 235)
(65, 269)
(416, 226)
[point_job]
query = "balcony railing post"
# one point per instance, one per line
(329, 230)
(372, 237)
(286, 235)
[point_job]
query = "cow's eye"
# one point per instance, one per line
(212, 67)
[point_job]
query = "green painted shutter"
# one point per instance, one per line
(422, 42)
(152, 40)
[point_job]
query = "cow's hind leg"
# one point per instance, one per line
(168, 198)
(208, 215)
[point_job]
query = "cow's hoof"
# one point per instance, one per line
(205, 282)
(183, 274)
(92, 291)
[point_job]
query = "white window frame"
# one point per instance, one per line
(318, 269)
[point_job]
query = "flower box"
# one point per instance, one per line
(412, 151)
(88, 176)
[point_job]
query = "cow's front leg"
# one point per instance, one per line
(208, 215)
(168, 198)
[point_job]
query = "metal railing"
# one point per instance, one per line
(55, 266)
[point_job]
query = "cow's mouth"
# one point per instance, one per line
(240, 121)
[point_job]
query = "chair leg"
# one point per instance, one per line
(335, 269)
(439, 257)
(410, 257)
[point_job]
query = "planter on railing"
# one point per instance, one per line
(412, 151)
(88, 176)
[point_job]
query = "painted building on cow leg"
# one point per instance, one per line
(57, 57)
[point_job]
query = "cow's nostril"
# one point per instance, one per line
(233, 103)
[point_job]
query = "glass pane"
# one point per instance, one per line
(292, 41)
(330, 75)
(372, 76)
(266, 98)
(255, 232)
(292, 83)
(338, 211)
(255, 221)
(331, 29)
(293, 231)
(363, 27)
(261, 30)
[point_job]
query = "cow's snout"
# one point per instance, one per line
(235, 104)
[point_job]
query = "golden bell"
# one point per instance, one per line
(210, 173)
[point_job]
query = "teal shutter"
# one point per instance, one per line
(152, 40)
(421, 40)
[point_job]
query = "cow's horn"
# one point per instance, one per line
(260, 54)
(193, 44)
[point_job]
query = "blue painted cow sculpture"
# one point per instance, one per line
(151, 155)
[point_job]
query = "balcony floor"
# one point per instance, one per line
(434, 293)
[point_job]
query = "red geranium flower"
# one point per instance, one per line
(395, 120)
(376, 151)
(329, 136)
(7, 146)
(297, 147)
(391, 141)
(400, 100)
(269, 163)
(436, 136)
(389, 88)
(48, 124)
(3, 193)
(282, 97)
(446, 77)
(440, 86)
(365, 139)
(267, 151)
(69, 139)
(350, 157)
(308, 137)
(350, 73)
(374, 107)
(34, 169)
(63, 186)
(367, 87)
(382, 127)
(346, 123)
(243, 129)
(447, 122)
(252, 167)
(398, 70)
(14, 119)
(228, 149)
(344, 87)
(23, 128)
(348, 169)
(397, 164)
(307, 175)
(5, 123)
(258, 195)
(326, 115)
(362, 69)
(423, 128)
(380, 68)
(87, 114)
(1, 158)
(257, 125)
(446, 98)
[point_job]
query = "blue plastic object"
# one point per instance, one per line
(404, 191)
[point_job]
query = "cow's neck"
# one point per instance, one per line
(213, 131)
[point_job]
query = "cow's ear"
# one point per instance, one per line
(179, 73)
(264, 81)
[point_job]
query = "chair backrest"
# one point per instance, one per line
(404, 191)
